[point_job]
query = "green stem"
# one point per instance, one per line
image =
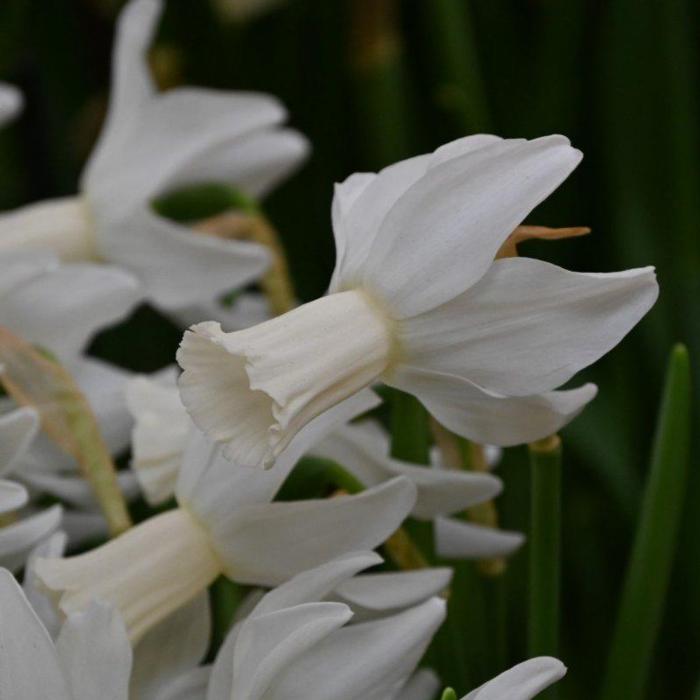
(380, 79)
(545, 536)
(648, 573)
(410, 435)
(459, 90)
(225, 597)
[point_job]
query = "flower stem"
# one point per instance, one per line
(460, 91)
(648, 573)
(33, 378)
(380, 78)
(226, 596)
(410, 436)
(545, 536)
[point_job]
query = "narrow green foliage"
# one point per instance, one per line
(448, 694)
(646, 584)
(545, 549)
(316, 477)
(410, 435)
(203, 201)
(225, 597)
(459, 90)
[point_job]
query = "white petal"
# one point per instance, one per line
(248, 309)
(316, 584)
(269, 644)
(13, 496)
(172, 648)
(488, 418)
(132, 85)
(174, 128)
(522, 682)
(387, 591)
(344, 196)
(423, 685)
(366, 661)
(267, 544)
(188, 686)
(11, 102)
(443, 233)
(358, 226)
(19, 266)
(528, 326)
(63, 309)
(17, 430)
(253, 390)
(176, 265)
(17, 539)
(29, 665)
(362, 202)
(255, 163)
(159, 439)
(456, 539)
(104, 386)
(53, 546)
(95, 654)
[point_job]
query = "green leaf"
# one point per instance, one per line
(448, 694)
(410, 437)
(646, 584)
(545, 548)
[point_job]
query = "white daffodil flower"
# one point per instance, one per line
(227, 524)
(522, 682)
(291, 646)
(20, 529)
(418, 301)
(11, 103)
(153, 143)
(60, 308)
(90, 656)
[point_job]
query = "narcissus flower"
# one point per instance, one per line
(226, 524)
(91, 656)
(292, 646)
(153, 143)
(417, 300)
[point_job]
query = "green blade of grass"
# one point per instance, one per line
(545, 548)
(646, 584)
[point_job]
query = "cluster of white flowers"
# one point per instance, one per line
(420, 300)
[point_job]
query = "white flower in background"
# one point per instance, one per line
(227, 524)
(60, 308)
(91, 656)
(522, 682)
(417, 301)
(363, 449)
(20, 529)
(11, 103)
(292, 646)
(153, 143)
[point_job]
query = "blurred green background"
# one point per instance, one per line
(372, 81)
